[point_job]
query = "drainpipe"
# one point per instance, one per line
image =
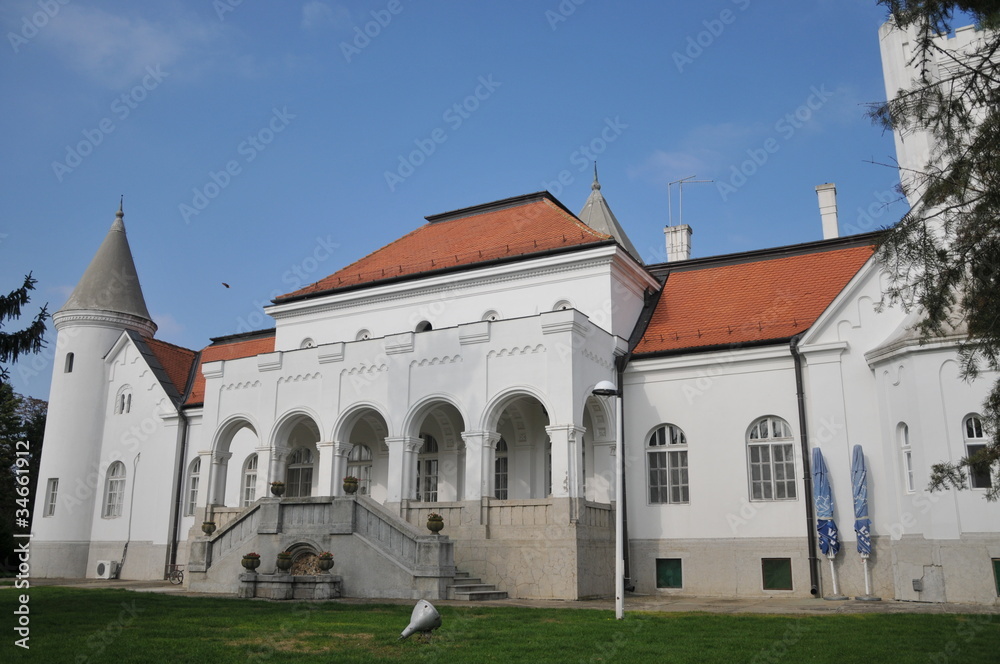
(175, 519)
(807, 479)
(622, 361)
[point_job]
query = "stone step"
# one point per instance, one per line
(469, 587)
(480, 595)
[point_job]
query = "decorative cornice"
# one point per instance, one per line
(475, 278)
(429, 362)
(269, 361)
(298, 378)
(331, 353)
(474, 333)
(399, 343)
(95, 318)
(522, 350)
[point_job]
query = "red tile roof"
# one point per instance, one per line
(227, 349)
(515, 227)
(749, 302)
(175, 360)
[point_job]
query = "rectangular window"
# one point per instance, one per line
(776, 573)
(427, 480)
(51, 490)
(668, 477)
(980, 477)
(908, 470)
(299, 482)
(192, 494)
(501, 478)
(772, 472)
(669, 573)
(115, 497)
(996, 574)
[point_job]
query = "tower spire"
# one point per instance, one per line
(597, 185)
(110, 283)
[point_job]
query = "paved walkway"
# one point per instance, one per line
(800, 606)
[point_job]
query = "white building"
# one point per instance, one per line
(452, 371)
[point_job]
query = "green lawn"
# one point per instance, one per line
(69, 625)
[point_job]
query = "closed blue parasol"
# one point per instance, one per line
(829, 543)
(859, 483)
(862, 524)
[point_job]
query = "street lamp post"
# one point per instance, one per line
(606, 388)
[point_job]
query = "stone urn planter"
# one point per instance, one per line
(251, 561)
(350, 484)
(435, 523)
(284, 561)
(208, 527)
(325, 561)
(278, 488)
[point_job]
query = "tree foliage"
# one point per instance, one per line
(28, 340)
(21, 419)
(943, 257)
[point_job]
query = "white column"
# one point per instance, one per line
(220, 461)
(480, 459)
(326, 484)
(567, 460)
(340, 452)
(276, 467)
(403, 452)
(263, 488)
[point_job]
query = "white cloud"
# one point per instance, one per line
(167, 327)
(116, 49)
(317, 15)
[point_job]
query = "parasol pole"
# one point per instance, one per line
(833, 575)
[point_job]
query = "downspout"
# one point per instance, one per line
(175, 519)
(807, 479)
(621, 362)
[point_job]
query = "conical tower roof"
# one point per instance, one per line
(110, 283)
(598, 215)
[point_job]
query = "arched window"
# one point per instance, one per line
(298, 477)
(359, 464)
(975, 442)
(500, 467)
(771, 456)
(906, 452)
(562, 305)
(427, 470)
(668, 465)
(424, 326)
(491, 315)
(194, 477)
(69, 363)
(114, 490)
(363, 335)
(248, 490)
(307, 343)
(123, 401)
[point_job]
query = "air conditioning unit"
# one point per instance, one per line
(107, 569)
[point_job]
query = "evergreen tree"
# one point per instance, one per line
(28, 340)
(944, 255)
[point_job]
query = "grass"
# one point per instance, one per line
(83, 626)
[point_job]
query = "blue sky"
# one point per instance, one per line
(266, 145)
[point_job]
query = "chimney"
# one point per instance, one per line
(827, 195)
(678, 242)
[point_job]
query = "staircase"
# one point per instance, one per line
(473, 590)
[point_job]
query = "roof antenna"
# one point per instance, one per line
(680, 205)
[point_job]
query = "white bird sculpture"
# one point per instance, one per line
(423, 619)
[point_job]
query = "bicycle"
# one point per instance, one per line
(175, 574)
